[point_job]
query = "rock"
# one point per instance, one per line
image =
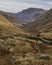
(39, 42)
(11, 50)
(44, 56)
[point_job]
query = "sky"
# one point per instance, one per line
(19, 5)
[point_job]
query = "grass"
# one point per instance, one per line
(18, 45)
(46, 35)
(8, 28)
(20, 49)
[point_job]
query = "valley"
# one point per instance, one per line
(26, 42)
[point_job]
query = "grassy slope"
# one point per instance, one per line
(12, 18)
(17, 44)
(42, 24)
(21, 48)
(7, 28)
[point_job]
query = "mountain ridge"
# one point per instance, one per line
(41, 24)
(23, 17)
(30, 13)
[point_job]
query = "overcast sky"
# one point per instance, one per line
(18, 5)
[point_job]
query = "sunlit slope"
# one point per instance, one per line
(7, 28)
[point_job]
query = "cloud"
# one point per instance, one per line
(50, 3)
(18, 5)
(41, 2)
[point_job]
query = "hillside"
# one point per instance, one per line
(12, 18)
(30, 14)
(23, 49)
(41, 24)
(23, 17)
(8, 28)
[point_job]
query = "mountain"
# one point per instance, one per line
(41, 24)
(23, 17)
(30, 14)
(12, 18)
(6, 27)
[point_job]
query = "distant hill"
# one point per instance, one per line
(30, 14)
(23, 17)
(6, 27)
(12, 18)
(41, 24)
